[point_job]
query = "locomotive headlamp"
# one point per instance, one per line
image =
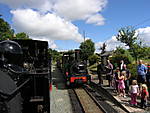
(11, 47)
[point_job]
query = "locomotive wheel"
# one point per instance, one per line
(7, 85)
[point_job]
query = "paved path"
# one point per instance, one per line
(60, 101)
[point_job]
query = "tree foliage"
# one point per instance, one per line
(22, 35)
(7, 33)
(128, 36)
(53, 54)
(87, 49)
(5, 30)
(121, 54)
(93, 59)
(142, 52)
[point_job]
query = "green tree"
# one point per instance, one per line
(22, 35)
(128, 36)
(121, 54)
(54, 54)
(93, 59)
(142, 52)
(5, 30)
(87, 49)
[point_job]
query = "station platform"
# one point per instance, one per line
(59, 96)
(125, 101)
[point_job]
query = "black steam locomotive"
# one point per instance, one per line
(24, 76)
(74, 69)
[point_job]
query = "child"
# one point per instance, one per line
(134, 90)
(144, 95)
(121, 85)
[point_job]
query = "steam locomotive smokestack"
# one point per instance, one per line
(77, 54)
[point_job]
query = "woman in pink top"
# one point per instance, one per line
(134, 90)
(121, 85)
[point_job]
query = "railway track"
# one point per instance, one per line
(99, 100)
(106, 96)
(94, 99)
(87, 103)
(85, 100)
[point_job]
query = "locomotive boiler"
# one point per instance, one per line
(24, 76)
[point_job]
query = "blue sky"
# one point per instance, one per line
(63, 25)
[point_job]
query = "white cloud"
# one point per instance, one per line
(51, 19)
(42, 5)
(96, 19)
(144, 35)
(71, 10)
(49, 26)
(78, 9)
(111, 43)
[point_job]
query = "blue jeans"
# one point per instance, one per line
(141, 79)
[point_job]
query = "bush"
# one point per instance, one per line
(93, 59)
(117, 58)
(119, 55)
(93, 67)
(133, 70)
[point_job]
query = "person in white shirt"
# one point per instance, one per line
(134, 91)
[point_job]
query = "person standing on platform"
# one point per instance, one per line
(116, 77)
(121, 65)
(121, 85)
(141, 70)
(134, 90)
(127, 77)
(99, 72)
(109, 74)
(144, 95)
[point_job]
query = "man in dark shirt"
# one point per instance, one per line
(109, 74)
(100, 69)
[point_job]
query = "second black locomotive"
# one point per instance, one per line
(74, 69)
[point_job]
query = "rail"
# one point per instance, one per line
(107, 95)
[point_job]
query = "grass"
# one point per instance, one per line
(93, 67)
